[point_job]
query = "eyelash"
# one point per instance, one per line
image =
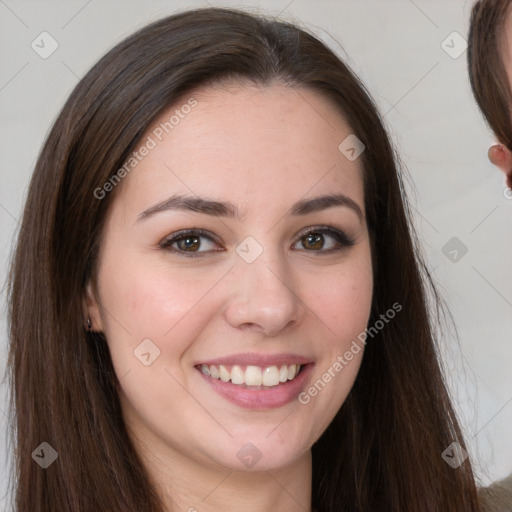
(343, 240)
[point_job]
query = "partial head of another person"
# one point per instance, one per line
(490, 73)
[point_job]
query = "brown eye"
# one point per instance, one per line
(194, 242)
(314, 240)
(188, 243)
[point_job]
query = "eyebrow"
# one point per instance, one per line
(208, 206)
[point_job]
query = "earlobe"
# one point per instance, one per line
(501, 157)
(92, 310)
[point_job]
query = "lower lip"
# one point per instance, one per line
(265, 398)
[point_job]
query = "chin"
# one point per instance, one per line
(262, 451)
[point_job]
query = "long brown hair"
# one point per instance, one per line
(383, 449)
(487, 73)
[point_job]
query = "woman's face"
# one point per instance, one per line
(253, 292)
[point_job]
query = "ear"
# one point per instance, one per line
(91, 305)
(501, 157)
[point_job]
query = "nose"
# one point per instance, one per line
(265, 297)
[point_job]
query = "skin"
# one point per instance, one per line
(262, 148)
(501, 157)
(499, 154)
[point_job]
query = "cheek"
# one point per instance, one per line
(148, 297)
(146, 301)
(342, 299)
(342, 302)
(168, 307)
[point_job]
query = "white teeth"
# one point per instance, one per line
(214, 372)
(271, 376)
(253, 375)
(237, 375)
(224, 374)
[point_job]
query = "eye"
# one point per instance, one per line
(313, 240)
(189, 242)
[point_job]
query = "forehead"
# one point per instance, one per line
(274, 143)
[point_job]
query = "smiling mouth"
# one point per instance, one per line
(252, 377)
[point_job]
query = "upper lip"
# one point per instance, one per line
(252, 359)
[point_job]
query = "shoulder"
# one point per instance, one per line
(497, 497)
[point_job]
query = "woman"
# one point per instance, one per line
(490, 74)
(216, 300)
